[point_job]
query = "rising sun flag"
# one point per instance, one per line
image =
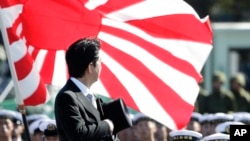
(152, 50)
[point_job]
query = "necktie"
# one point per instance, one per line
(92, 100)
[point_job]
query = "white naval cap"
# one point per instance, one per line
(34, 126)
(33, 117)
(188, 135)
(225, 126)
(48, 127)
(242, 117)
(206, 118)
(217, 137)
(139, 117)
(221, 117)
(15, 116)
(196, 116)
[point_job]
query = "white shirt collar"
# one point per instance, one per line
(81, 86)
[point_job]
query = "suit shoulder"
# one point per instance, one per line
(65, 94)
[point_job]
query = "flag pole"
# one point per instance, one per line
(18, 97)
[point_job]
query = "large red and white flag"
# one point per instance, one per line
(152, 51)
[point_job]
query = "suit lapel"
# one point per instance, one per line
(88, 106)
(83, 100)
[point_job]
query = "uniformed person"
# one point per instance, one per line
(35, 133)
(194, 122)
(206, 127)
(185, 135)
(6, 124)
(243, 117)
(225, 127)
(145, 127)
(218, 118)
(200, 101)
(217, 137)
(49, 129)
(220, 99)
(18, 130)
(242, 96)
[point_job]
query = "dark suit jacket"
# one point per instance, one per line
(76, 118)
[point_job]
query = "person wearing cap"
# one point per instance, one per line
(185, 135)
(200, 101)
(243, 117)
(33, 117)
(35, 133)
(145, 127)
(194, 122)
(162, 132)
(49, 129)
(220, 99)
(76, 112)
(205, 122)
(6, 125)
(218, 118)
(18, 130)
(224, 127)
(217, 137)
(128, 134)
(242, 96)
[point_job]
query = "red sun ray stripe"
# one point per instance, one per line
(177, 26)
(159, 89)
(48, 66)
(23, 66)
(37, 96)
(34, 53)
(115, 88)
(7, 3)
(163, 55)
(113, 5)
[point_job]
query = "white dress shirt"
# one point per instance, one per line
(86, 91)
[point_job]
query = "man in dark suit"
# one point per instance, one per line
(76, 115)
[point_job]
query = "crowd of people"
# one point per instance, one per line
(201, 127)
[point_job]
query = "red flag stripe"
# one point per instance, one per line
(188, 28)
(112, 5)
(163, 55)
(8, 3)
(37, 96)
(183, 49)
(158, 88)
(115, 88)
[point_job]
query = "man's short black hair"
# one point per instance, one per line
(80, 54)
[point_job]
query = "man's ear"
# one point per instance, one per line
(90, 68)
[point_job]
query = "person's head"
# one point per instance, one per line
(237, 81)
(35, 132)
(194, 122)
(220, 118)
(145, 127)
(217, 137)
(82, 58)
(224, 127)
(6, 124)
(18, 126)
(219, 78)
(205, 122)
(49, 129)
(161, 132)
